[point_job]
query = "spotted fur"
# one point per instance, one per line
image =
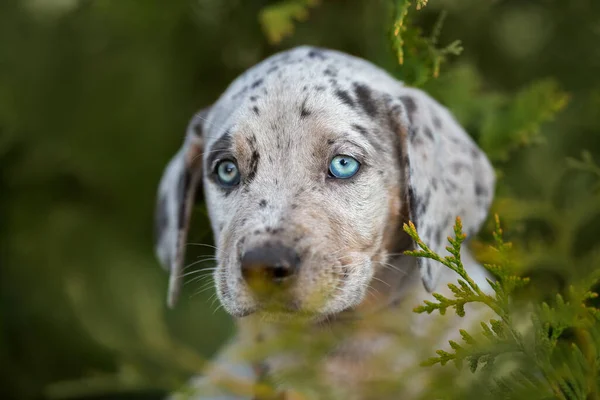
(282, 121)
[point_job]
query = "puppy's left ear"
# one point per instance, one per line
(446, 175)
(176, 194)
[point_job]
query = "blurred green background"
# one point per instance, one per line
(94, 99)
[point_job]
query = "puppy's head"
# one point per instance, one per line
(310, 162)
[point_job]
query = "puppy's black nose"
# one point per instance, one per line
(269, 265)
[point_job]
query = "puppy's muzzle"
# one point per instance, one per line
(270, 268)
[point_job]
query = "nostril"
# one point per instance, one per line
(269, 263)
(281, 272)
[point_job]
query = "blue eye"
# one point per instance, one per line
(343, 167)
(228, 173)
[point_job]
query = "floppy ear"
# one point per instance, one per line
(176, 193)
(446, 175)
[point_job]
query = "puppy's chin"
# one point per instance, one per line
(240, 312)
(288, 312)
(291, 315)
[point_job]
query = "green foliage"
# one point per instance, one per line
(517, 121)
(419, 55)
(567, 369)
(586, 164)
(278, 20)
(501, 122)
(95, 97)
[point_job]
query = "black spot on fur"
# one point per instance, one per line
(262, 203)
(345, 97)
(256, 110)
(438, 236)
(455, 140)
(329, 72)
(320, 88)
(360, 129)
(316, 53)
(183, 191)
(272, 69)
(254, 159)
(198, 129)
(253, 98)
(303, 111)
(410, 105)
(412, 133)
(257, 83)
(330, 141)
(424, 203)
(427, 131)
(365, 99)
(480, 190)
(294, 206)
(437, 122)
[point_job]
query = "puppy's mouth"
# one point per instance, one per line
(293, 299)
(282, 283)
(277, 297)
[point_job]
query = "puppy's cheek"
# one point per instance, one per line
(319, 293)
(355, 285)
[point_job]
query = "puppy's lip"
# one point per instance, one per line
(290, 316)
(244, 312)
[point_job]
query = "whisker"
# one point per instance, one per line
(204, 288)
(199, 278)
(197, 262)
(217, 309)
(392, 267)
(382, 281)
(202, 244)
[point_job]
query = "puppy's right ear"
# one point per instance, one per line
(446, 174)
(176, 193)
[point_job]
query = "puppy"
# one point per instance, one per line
(310, 163)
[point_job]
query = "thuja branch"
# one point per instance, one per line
(467, 291)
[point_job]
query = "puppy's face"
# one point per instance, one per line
(307, 160)
(301, 191)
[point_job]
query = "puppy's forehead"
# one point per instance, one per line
(324, 86)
